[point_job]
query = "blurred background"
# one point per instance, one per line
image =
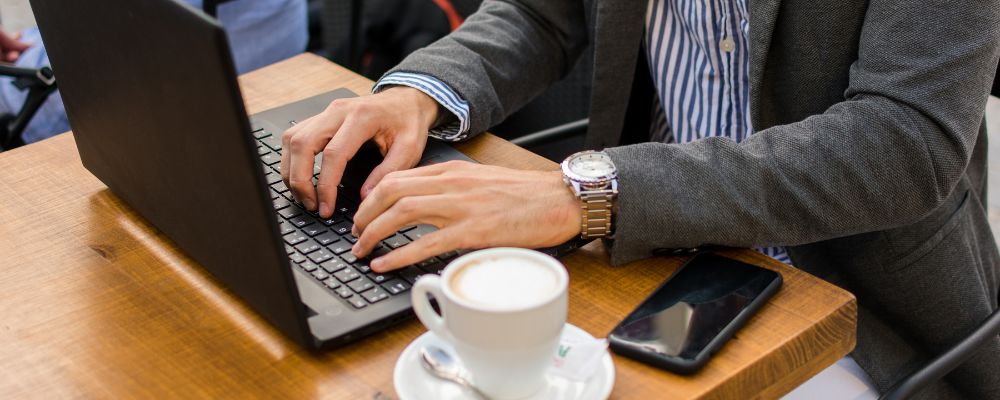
(376, 35)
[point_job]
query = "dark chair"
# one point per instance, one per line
(947, 361)
(39, 83)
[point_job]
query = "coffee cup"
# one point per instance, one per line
(503, 311)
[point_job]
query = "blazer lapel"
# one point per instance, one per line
(763, 14)
(618, 29)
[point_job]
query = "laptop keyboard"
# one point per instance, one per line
(321, 247)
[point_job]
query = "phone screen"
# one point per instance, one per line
(683, 317)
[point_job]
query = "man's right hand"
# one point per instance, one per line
(397, 119)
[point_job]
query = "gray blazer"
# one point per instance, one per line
(868, 161)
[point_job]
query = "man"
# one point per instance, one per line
(260, 33)
(845, 136)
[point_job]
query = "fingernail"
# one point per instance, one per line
(356, 249)
(324, 208)
(377, 264)
(354, 230)
(309, 204)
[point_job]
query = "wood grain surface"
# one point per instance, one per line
(97, 304)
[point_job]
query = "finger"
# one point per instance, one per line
(302, 148)
(11, 43)
(286, 153)
(430, 170)
(386, 195)
(401, 155)
(429, 245)
(344, 145)
(407, 211)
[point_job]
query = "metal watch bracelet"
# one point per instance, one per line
(596, 216)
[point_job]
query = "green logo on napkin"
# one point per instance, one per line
(564, 350)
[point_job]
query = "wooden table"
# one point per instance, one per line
(95, 303)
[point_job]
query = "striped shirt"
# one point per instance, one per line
(699, 59)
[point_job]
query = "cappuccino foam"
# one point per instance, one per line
(507, 281)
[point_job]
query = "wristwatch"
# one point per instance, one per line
(592, 177)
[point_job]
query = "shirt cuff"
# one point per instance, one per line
(440, 92)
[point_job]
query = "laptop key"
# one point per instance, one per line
(281, 203)
(420, 231)
(362, 265)
(396, 241)
(297, 258)
(375, 295)
(331, 283)
(357, 302)
(308, 266)
(407, 228)
(344, 292)
(331, 221)
(270, 158)
(411, 274)
(320, 274)
(300, 220)
(379, 278)
(435, 268)
(340, 247)
(327, 238)
(349, 257)
(333, 265)
(314, 229)
(307, 246)
(273, 142)
(273, 178)
(295, 238)
(320, 256)
(350, 238)
(260, 132)
(396, 286)
(361, 284)
(285, 228)
(262, 150)
(290, 212)
(280, 187)
(346, 275)
(342, 228)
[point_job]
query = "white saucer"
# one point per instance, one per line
(414, 383)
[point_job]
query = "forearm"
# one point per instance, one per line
(504, 55)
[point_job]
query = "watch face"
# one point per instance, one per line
(592, 165)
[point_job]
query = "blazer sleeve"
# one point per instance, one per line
(504, 55)
(891, 152)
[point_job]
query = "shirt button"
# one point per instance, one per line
(727, 45)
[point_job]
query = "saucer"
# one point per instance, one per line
(413, 382)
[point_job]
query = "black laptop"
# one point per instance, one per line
(157, 115)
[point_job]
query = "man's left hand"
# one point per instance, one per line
(473, 206)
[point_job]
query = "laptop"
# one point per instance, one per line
(152, 96)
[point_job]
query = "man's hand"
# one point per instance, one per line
(11, 47)
(397, 119)
(474, 206)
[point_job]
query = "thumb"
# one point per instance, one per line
(402, 155)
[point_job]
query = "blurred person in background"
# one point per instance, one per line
(261, 32)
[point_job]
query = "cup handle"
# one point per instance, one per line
(430, 284)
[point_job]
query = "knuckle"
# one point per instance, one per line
(338, 103)
(407, 206)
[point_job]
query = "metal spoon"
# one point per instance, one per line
(442, 365)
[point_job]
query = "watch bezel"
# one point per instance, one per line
(606, 178)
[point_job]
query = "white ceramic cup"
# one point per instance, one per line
(507, 350)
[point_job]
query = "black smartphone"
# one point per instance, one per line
(691, 315)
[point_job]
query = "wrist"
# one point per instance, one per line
(426, 108)
(566, 209)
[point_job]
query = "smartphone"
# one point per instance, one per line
(691, 315)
